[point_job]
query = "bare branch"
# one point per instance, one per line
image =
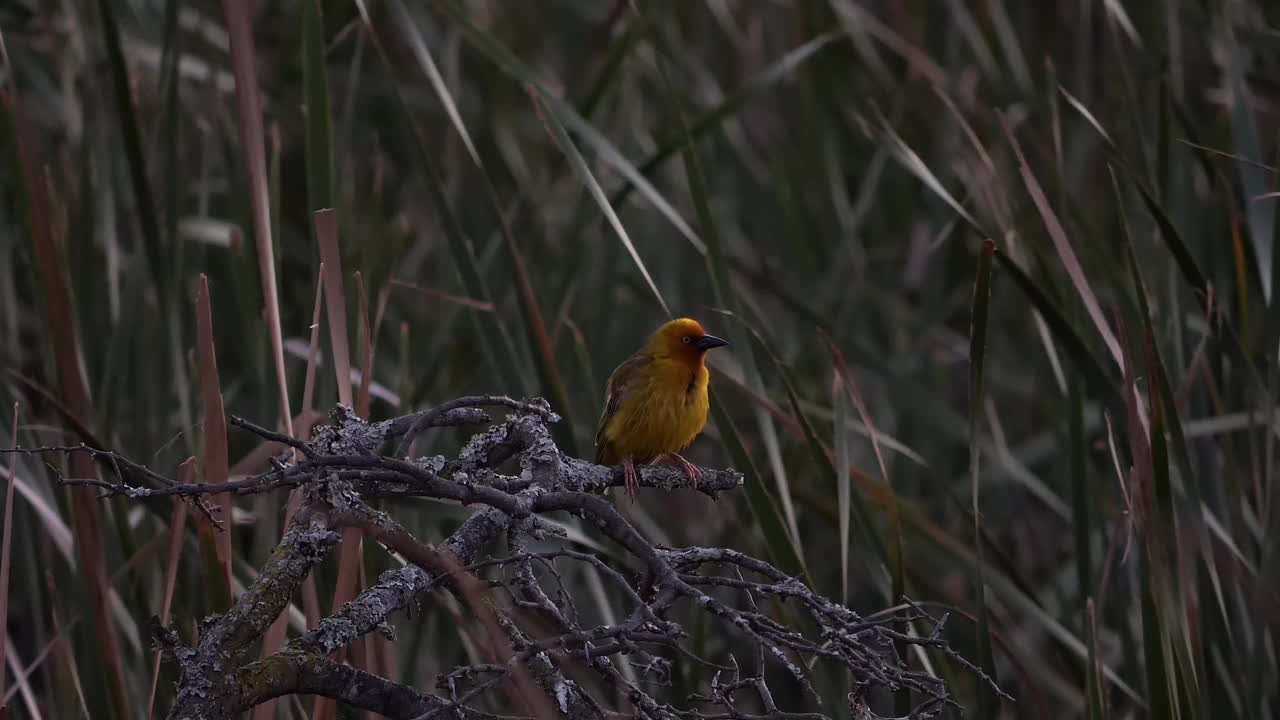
(299, 673)
(543, 659)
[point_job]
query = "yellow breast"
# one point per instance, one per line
(663, 416)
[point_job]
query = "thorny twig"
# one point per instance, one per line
(544, 658)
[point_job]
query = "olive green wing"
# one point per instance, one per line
(622, 383)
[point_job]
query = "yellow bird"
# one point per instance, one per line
(656, 402)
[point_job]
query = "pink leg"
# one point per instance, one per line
(691, 471)
(630, 478)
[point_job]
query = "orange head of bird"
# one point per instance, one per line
(684, 339)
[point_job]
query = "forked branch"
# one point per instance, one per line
(542, 658)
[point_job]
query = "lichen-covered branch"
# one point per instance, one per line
(291, 672)
(397, 589)
(542, 659)
(205, 686)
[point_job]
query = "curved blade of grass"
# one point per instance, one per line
(822, 458)
(1182, 454)
(709, 120)
(535, 325)
(611, 69)
(1063, 246)
(1164, 414)
(703, 124)
(1182, 255)
(613, 157)
(706, 122)
(897, 571)
(988, 704)
(1075, 348)
(912, 162)
(968, 26)
(849, 385)
(1008, 37)
(588, 179)
(1148, 474)
(1094, 374)
(1196, 278)
(778, 542)
(859, 19)
(490, 326)
(1079, 107)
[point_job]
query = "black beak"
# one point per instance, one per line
(706, 342)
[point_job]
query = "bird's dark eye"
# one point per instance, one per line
(686, 339)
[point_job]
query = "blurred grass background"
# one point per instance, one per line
(520, 187)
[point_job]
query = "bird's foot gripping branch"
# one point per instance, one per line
(542, 658)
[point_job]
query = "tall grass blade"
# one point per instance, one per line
(778, 541)
(608, 79)
(318, 111)
(844, 464)
(148, 216)
(1063, 246)
(35, 215)
(1081, 496)
(1095, 375)
(588, 179)
(326, 228)
(535, 325)
(1253, 181)
(177, 530)
(253, 142)
(711, 119)
(490, 326)
(1093, 672)
(987, 701)
(897, 568)
(215, 433)
(1142, 494)
(704, 123)
(850, 386)
(310, 598)
(822, 459)
(1160, 695)
(911, 161)
(6, 546)
(367, 339)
